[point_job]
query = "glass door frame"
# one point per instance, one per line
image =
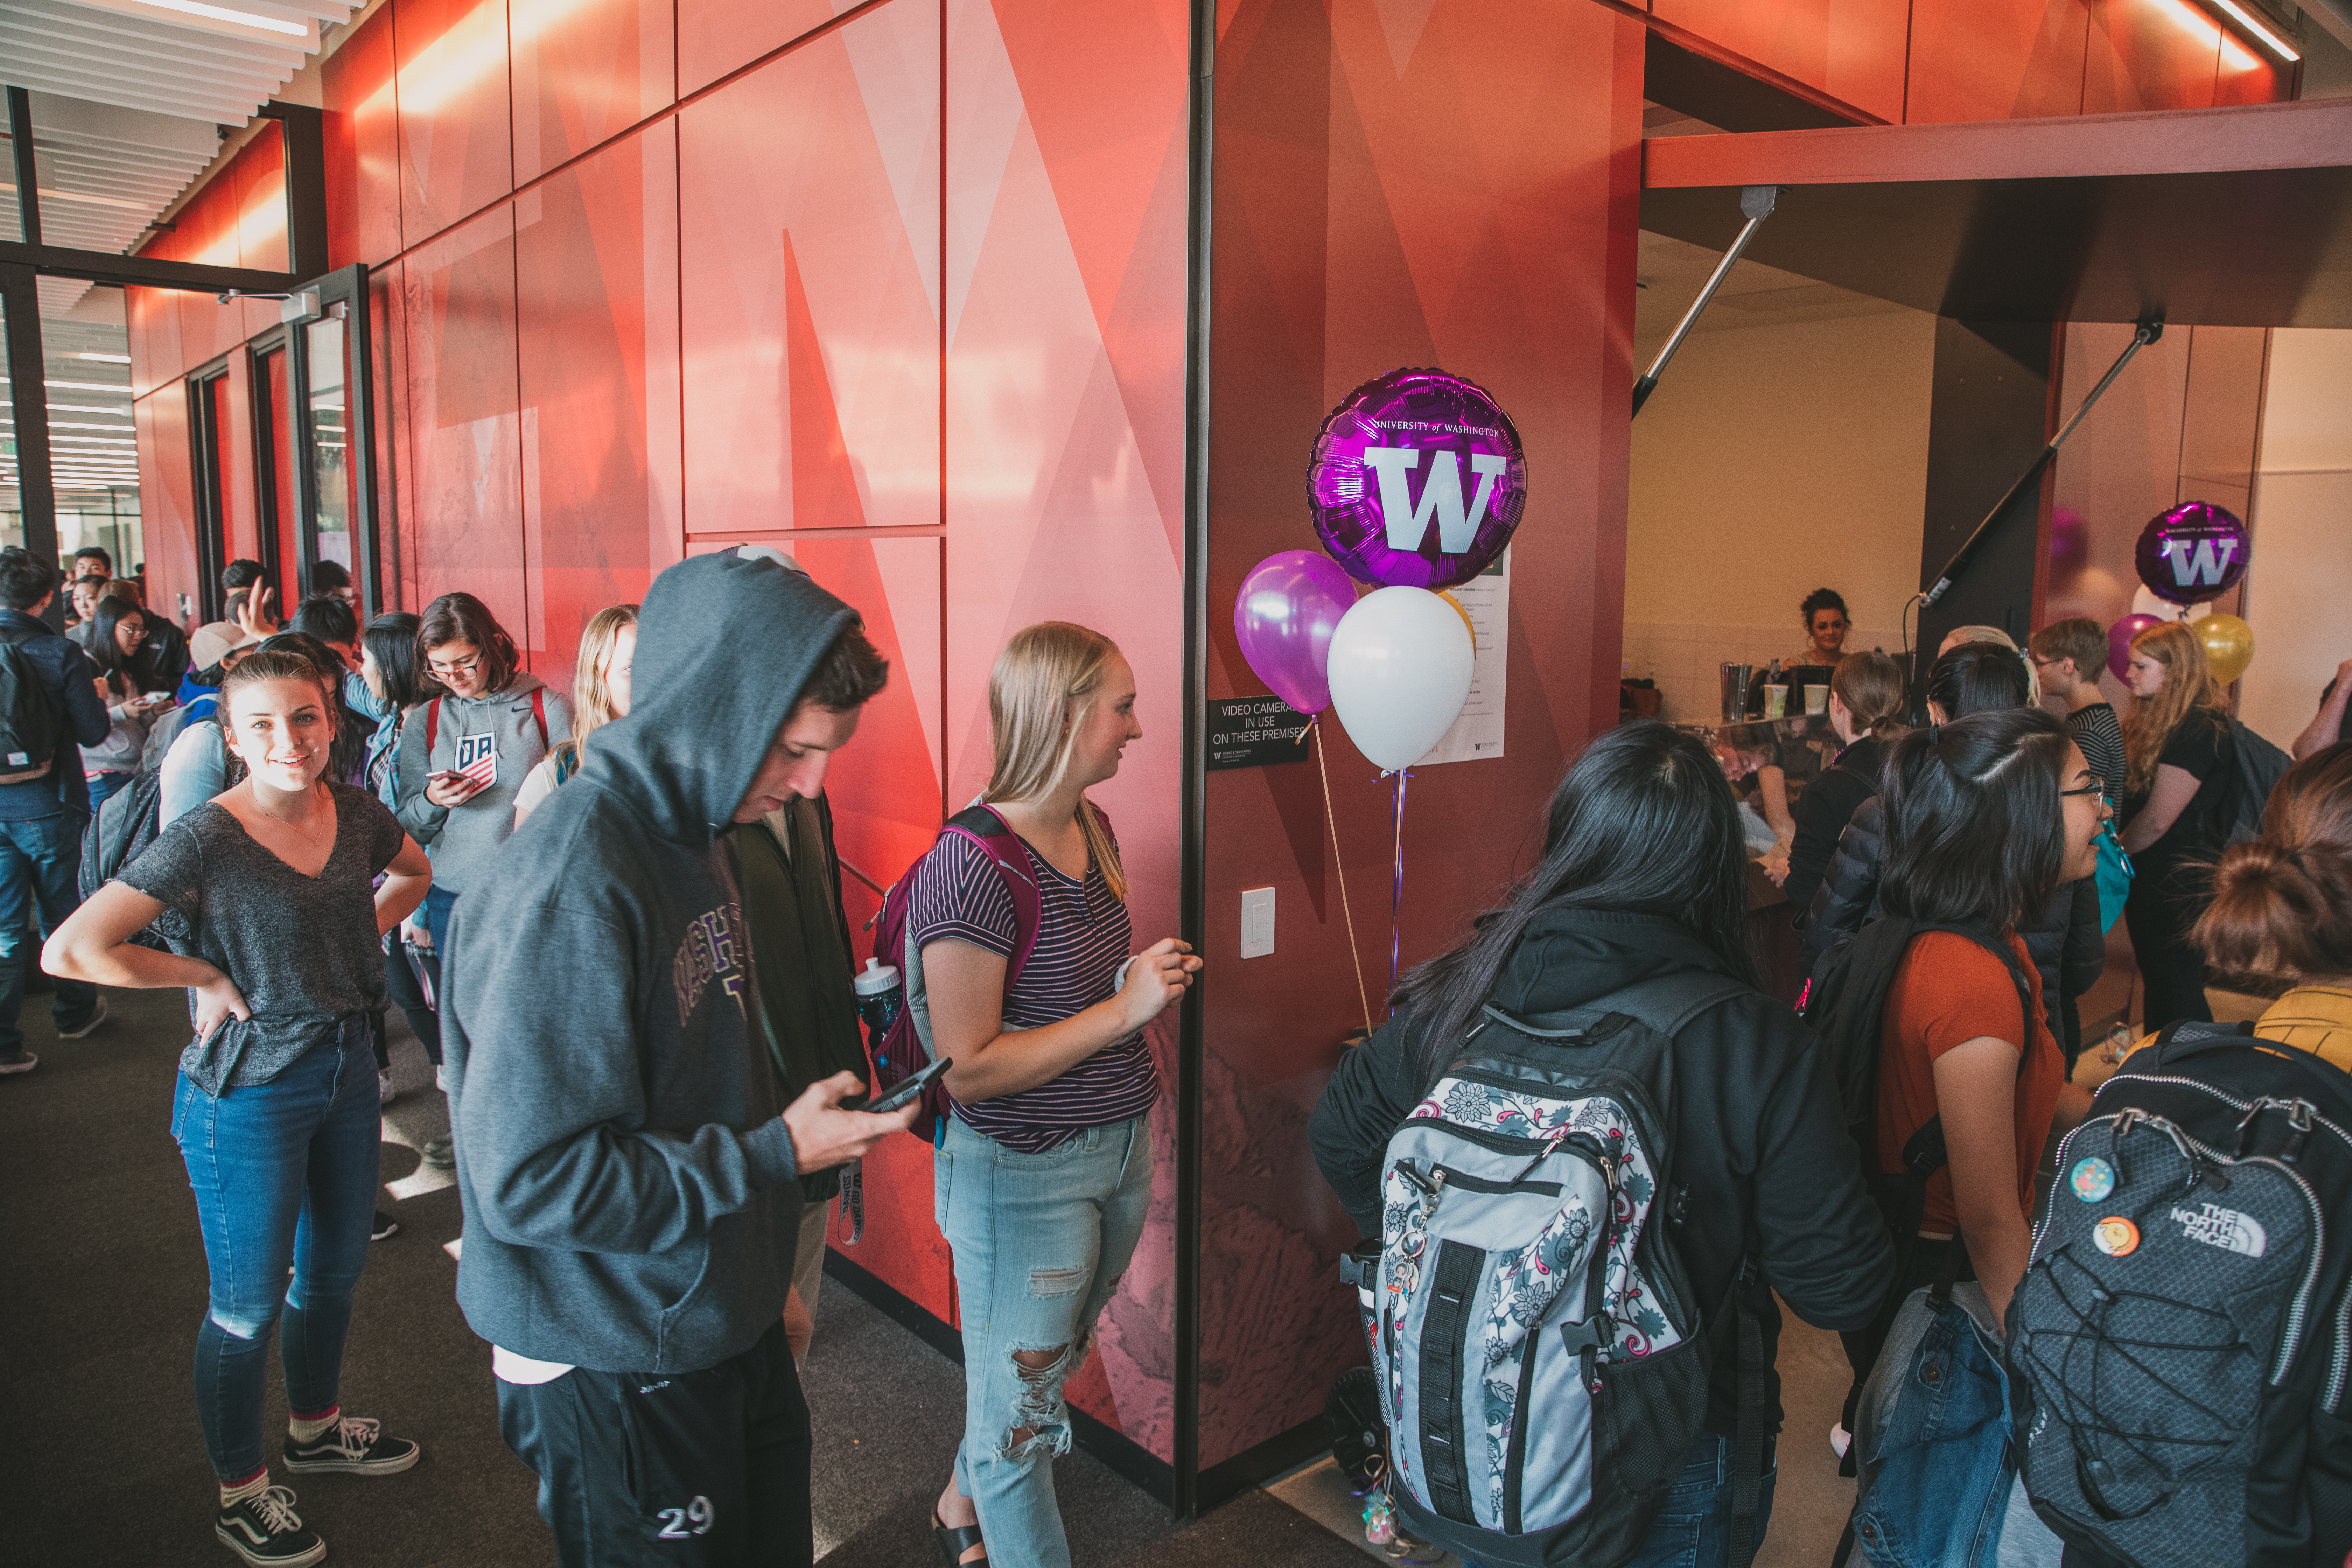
(204, 390)
(268, 504)
(340, 295)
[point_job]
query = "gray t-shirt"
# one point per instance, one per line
(303, 950)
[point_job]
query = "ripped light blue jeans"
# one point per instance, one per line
(285, 1176)
(1040, 1241)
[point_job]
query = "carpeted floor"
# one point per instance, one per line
(105, 1285)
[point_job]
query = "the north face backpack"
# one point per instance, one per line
(906, 1047)
(2182, 1339)
(28, 728)
(2255, 769)
(1541, 1359)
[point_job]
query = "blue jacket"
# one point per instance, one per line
(72, 684)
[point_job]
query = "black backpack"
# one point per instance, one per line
(2255, 770)
(28, 721)
(2182, 1339)
(1845, 1002)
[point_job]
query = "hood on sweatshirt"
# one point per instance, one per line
(696, 729)
(1568, 958)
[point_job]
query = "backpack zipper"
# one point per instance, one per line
(2299, 1310)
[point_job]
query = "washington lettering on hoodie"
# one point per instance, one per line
(630, 1192)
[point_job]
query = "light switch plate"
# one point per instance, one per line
(1257, 922)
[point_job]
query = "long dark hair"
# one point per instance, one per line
(1977, 678)
(104, 651)
(390, 640)
(1975, 836)
(461, 617)
(1643, 823)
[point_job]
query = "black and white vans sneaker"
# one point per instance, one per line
(383, 1226)
(266, 1531)
(355, 1444)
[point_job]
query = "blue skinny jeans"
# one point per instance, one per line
(284, 1173)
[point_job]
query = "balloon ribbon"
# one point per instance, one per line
(1355, 955)
(1396, 886)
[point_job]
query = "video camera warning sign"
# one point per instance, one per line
(1256, 733)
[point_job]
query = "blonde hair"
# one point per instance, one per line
(2187, 683)
(1871, 687)
(1959, 634)
(1041, 690)
(594, 708)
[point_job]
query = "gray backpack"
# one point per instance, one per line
(1541, 1360)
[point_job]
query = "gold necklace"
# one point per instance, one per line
(256, 796)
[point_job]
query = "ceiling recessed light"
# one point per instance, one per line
(223, 13)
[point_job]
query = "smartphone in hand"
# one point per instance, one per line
(909, 1091)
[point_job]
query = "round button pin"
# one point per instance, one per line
(2116, 1237)
(2092, 1179)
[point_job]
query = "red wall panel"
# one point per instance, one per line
(363, 133)
(715, 37)
(456, 145)
(261, 206)
(209, 232)
(585, 70)
(245, 448)
(1851, 49)
(597, 309)
(810, 296)
(167, 495)
(1995, 60)
(387, 321)
(153, 316)
(2247, 75)
(463, 509)
(1066, 148)
(1372, 215)
(2149, 53)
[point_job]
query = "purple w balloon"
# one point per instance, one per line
(1418, 480)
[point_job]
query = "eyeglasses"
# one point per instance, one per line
(2097, 786)
(462, 666)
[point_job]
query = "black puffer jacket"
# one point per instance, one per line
(2067, 944)
(1759, 1138)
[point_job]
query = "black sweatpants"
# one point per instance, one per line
(706, 1469)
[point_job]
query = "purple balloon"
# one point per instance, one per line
(2194, 552)
(2119, 641)
(1418, 480)
(1288, 607)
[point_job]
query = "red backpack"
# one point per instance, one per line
(908, 1046)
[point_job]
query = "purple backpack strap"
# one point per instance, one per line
(985, 829)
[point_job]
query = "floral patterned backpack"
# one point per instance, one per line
(1541, 1360)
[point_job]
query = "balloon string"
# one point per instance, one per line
(1396, 890)
(1355, 953)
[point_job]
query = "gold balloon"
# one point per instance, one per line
(1447, 595)
(2229, 646)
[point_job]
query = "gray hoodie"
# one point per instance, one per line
(459, 839)
(629, 1187)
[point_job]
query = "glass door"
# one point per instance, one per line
(276, 491)
(340, 539)
(207, 418)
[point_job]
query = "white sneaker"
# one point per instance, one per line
(96, 1018)
(385, 1093)
(1840, 1439)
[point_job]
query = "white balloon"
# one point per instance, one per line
(1400, 668)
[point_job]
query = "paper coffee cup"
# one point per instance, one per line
(1817, 698)
(1776, 701)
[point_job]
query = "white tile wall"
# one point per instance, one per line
(1684, 658)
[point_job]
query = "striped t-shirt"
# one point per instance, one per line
(1083, 936)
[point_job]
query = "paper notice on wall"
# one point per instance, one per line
(1477, 731)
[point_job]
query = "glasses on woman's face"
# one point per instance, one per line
(462, 666)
